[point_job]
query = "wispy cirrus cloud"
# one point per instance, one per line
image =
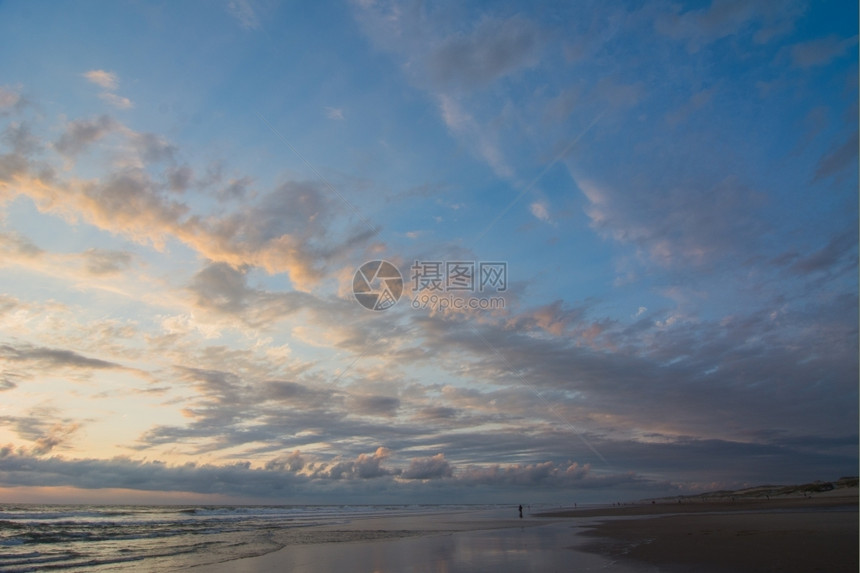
(49, 358)
(245, 13)
(759, 19)
(334, 113)
(838, 159)
(493, 49)
(116, 101)
(820, 52)
(669, 225)
(109, 81)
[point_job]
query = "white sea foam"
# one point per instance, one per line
(152, 538)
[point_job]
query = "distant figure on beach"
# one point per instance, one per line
(521, 512)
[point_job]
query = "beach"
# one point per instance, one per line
(153, 539)
(466, 541)
(753, 535)
(711, 534)
(791, 534)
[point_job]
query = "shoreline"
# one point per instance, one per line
(788, 534)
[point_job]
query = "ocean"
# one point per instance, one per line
(37, 537)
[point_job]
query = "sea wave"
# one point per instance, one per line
(157, 538)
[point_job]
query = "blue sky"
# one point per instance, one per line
(187, 190)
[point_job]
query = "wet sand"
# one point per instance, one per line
(787, 535)
(787, 542)
(452, 543)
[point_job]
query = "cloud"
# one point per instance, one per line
(539, 210)
(546, 473)
(560, 107)
(303, 389)
(12, 165)
(482, 140)
(22, 140)
(107, 80)
(180, 178)
(223, 289)
(126, 201)
(461, 62)
(820, 52)
(617, 94)
(554, 318)
(375, 405)
(56, 435)
(696, 102)
(21, 361)
(105, 262)
(365, 466)
(293, 462)
(838, 159)
(14, 245)
(7, 381)
(285, 230)
(151, 148)
(294, 476)
(51, 358)
(82, 133)
(494, 49)
(235, 189)
(281, 233)
(220, 286)
(38, 427)
(434, 467)
(228, 410)
(334, 113)
(687, 222)
(9, 98)
(291, 478)
(275, 414)
(837, 250)
(437, 413)
(724, 18)
(608, 395)
(368, 466)
(117, 101)
(110, 82)
(245, 13)
(234, 480)
(653, 380)
(295, 394)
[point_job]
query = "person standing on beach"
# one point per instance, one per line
(521, 512)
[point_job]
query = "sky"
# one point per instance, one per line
(621, 242)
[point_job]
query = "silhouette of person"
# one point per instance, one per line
(521, 512)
